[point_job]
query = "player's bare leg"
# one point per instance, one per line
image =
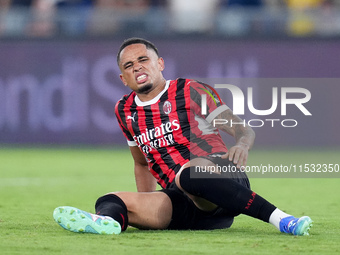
(147, 210)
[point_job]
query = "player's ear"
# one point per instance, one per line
(161, 64)
(123, 79)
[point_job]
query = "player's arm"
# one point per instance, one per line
(244, 136)
(145, 182)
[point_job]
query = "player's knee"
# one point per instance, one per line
(178, 177)
(130, 199)
(107, 199)
(182, 179)
(185, 167)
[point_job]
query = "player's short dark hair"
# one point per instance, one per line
(136, 40)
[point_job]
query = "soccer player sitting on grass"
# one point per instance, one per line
(173, 143)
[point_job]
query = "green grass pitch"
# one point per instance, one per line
(35, 181)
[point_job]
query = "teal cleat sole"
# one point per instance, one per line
(296, 226)
(302, 226)
(76, 220)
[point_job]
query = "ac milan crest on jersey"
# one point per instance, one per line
(167, 107)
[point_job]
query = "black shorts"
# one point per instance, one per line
(185, 214)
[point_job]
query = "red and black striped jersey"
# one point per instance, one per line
(171, 128)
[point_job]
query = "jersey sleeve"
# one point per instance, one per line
(205, 101)
(120, 115)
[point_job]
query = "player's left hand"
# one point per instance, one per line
(238, 154)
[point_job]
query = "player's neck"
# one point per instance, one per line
(154, 92)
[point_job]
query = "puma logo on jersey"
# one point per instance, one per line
(132, 117)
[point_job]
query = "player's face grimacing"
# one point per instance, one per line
(141, 69)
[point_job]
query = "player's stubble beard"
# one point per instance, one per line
(145, 89)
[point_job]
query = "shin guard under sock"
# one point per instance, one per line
(226, 193)
(111, 205)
